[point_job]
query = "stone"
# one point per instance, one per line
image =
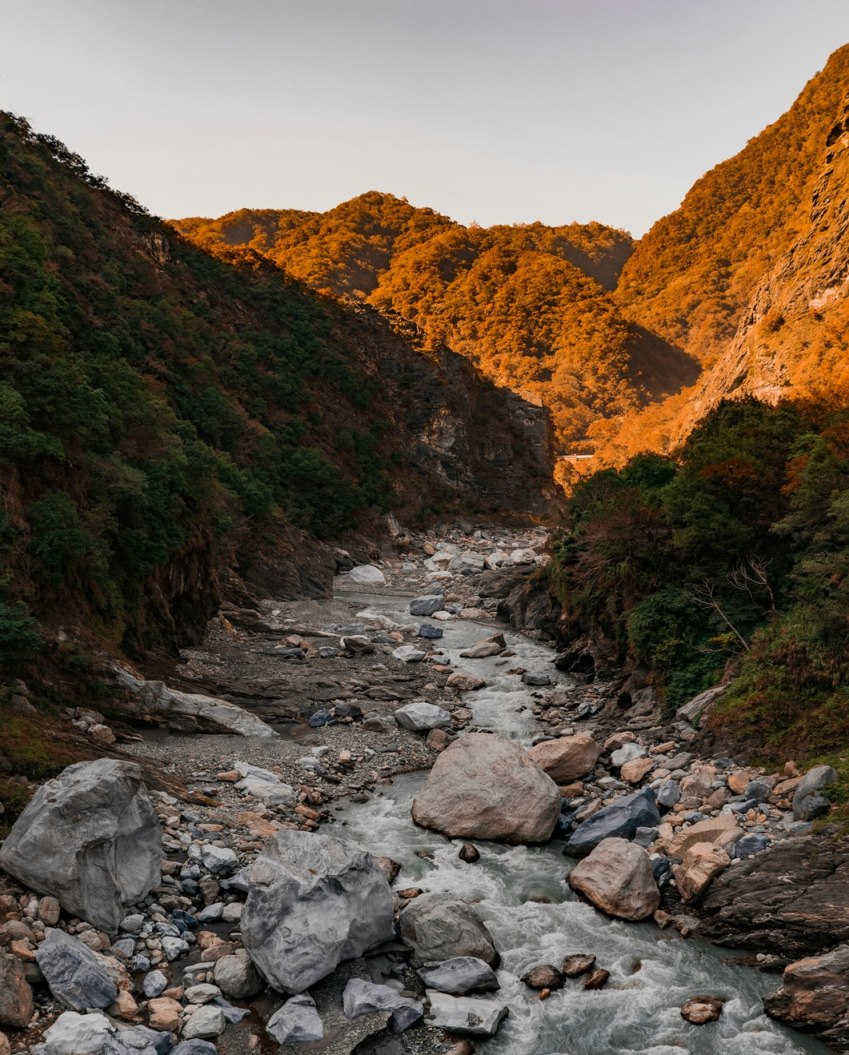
(421, 717)
(165, 1014)
(409, 654)
(195, 1047)
(489, 646)
(16, 1000)
(619, 820)
(430, 633)
(207, 1021)
(577, 964)
(617, 878)
(757, 791)
(536, 680)
(124, 1006)
(463, 562)
(437, 740)
(153, 984)
(367, 575)
(90, 838)
(597, 979)
(5, 1046)
(702, 1009)
(811, 807)
(219, 860)
(313, 901)
(427, 604)
(634, 771)
(699, 705)
(461, 682)
(546, 976)
(438, 927)
(264, 785)
(629, 752)
(296, 1022)
(361, 997)
(75, 1034)
(668, 794)
(751, 844)
(48, 911)
(814, 996)
(77, 977)
(202, 993)
(567, 758)
(460, 974)
(486, 787)
(236, 976)
(700, 864)
(467, 1016)
(721, 831)
(469, 853)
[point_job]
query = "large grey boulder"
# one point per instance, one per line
(427, 605)
(78, 977)
(620, 820)
(75, 1034)
(438, 927)
(460, 974)
(368, 998)
(313, 901)
(468, 1016)
(807, 800)
(296, 1022)
(367, 575)
(91, 838)
(486, 787)
(617, 878)
(421, 717)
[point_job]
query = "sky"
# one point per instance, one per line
(493, 111)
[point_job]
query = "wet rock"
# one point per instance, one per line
(438, 927)
(566, 758)
(546, 976)
(421, 717)
(16, 1001)
(296, 1022)
(814, 996)
(469, 853)
(533, 679)
(461, 682)
(489, 646)
(427, 604)
(467, 1016)
(77, 977)
(702, 1009)
(91, 839)
(619, 820)
(617, 878)
(313, 901)
(460, 974)
(597, 979)
(366, 998)
(577, 964)
(485, 787)
(430, 633)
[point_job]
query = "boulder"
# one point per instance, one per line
(206, 1021)
(77, 977)
(438, 927)
(485, 787)
(807, 800)
(461, 682)
(617, 878)
(577, 964)
(545, 976)
(367, 575)
(721, 831)
(567, 758)
(629, 752)
(460, 974)
(408, 654)
(264, 785)
(313, 901)
(620, 820)
(90, 838)
(75, 1034)
(427, 604)
(236, 976)
(16, 1001)
(701, 863)
(367, 998)
(296, 1022)
(468, 1016)
(814, 996)
(702, 1009)
(421, 717)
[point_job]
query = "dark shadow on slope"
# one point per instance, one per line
(659, 368)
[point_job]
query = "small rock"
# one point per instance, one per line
(296, 1022)
(577, 964)
(207, 1021)
(464, 1015)
(597, 979)
(469, 853)
(702, 1009)
(461, 974)
(545, 976)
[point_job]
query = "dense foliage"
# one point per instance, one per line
(529, 305)
(735, 549)
(160, 409)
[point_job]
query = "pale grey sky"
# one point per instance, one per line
(499, 111)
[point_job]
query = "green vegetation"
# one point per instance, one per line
(735, 549)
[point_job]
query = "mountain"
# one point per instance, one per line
(529, 305)
(167, 417)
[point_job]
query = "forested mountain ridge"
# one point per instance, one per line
(529, 305)
(165, 415)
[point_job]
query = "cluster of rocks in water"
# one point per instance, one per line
(147, 925)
